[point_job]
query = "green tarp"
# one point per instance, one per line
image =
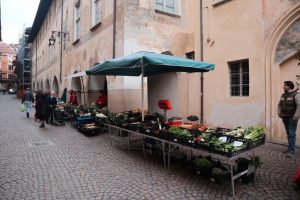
(152, 63)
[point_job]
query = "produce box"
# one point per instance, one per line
(88, 129)
(258, 142)
(228, 146)
(85, 119)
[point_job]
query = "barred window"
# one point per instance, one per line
(167, 6)
(239, 78)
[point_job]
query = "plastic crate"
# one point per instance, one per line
(88, 131)
(258, 142)
(85, 119)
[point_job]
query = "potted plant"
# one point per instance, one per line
(244, 164)
(203, 167)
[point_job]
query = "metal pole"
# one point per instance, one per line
(142, 79)
(201, 58)
(114, 28)
(61, 36)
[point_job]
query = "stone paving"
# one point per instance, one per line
(61, 163)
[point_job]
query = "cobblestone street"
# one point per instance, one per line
(62, 163)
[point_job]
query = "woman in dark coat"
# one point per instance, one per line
(42, 108)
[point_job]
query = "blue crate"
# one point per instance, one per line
(85, 119)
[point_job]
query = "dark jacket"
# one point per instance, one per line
(42, 108)
(52, 102)
(289, 105)
(27, 96)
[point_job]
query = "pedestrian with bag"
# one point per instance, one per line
(27, 100)
(289, 112)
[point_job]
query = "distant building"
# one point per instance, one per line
(23, 64)
(7, 57)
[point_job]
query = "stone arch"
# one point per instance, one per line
(273, 85)
(55, 86)
(34, 86)
(76, 85)
(37, 86)
(42, 85)
(95, 84)
(47, 85)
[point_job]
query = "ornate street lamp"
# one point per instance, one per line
(62, 35)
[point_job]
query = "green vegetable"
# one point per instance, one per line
(180, 132)
(254, 133)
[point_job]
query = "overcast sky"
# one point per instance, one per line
(15, 16)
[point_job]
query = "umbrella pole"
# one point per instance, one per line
(142, 79)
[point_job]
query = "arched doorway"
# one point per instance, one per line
(47, 85)
(42, 85)
(95, 85)
(76, 86)
(280, 65)
(55, 86)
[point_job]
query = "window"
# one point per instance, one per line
(10, 67)
(239, 78)
(10, 76)
(96, 12)
(10, 58)
(77, 20)
(190, 55)
(167, 6)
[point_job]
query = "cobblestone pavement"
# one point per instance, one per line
(73, 166)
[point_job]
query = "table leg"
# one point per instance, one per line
(144, 147)
(129, 133)
(164, 153)
(169, 155)
(232, 179)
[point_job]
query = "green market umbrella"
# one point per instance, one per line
(145, 64)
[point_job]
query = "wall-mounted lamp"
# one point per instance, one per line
(62, 35)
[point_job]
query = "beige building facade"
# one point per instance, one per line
(259, 39)
(251, 43)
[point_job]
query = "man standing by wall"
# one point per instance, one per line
(289, 112)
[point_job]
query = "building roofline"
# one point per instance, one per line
(41, 13)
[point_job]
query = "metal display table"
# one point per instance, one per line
(168, 147)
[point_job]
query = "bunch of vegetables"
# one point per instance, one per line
(238, 132)
(180, 132)
(254, 133)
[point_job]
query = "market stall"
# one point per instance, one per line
(226, 145)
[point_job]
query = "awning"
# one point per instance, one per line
(78, 74)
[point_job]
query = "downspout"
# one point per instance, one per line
(201, 58)
(36, 46)
(114, 28)
(61, 35)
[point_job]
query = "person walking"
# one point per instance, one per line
(42, 108)
(289, 112)
(27, 100)
(52, 101)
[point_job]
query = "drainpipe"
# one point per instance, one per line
(60, 38)
(36, 46)
(114, 28)
(201, 58)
